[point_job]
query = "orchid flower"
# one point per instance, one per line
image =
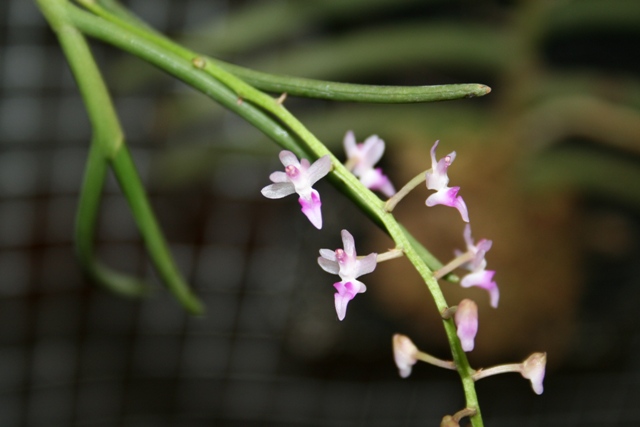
(362, 157)
(344, 263)
(405, 354)
(479, 276)
(298, 177)
(437, 179)
(466, 319)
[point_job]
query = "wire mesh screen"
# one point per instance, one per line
(269, 350)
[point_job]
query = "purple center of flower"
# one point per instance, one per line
(341, 256)
(447, 160)
(291, 171)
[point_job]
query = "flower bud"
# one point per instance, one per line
(404, 353)
(466, 319)
(449, 421)
(533, 369)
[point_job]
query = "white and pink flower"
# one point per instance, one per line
(479, 276)
(298, 177)
(345, 263)
(437, 179)
(361, 159)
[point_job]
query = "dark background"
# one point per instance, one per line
(548, 164)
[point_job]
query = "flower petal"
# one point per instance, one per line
(372, 150)
(367, 264)
(345, 293)
(319, 169)
(446, 196)
(348, 244)
(311, 208)
(462, 208)
(288, 158)
(278, 190)
(279, 176)
(484, 280)
(329, 266)
(374, 179)
(350, 146)
(328, 254)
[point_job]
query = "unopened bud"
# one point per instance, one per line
(466, 319)
(405, 354)
(449, 421)
(533, 369)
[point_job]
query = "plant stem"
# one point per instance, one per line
(495, 370)
(85, 230)
(108, 145)
(395, 199)
(127, 176)
(432, 360)
(391, 254)
(453, 264)
(291, 134)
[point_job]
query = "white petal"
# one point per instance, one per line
(278, 177)
(278, 190)
(328, 266)
(373, 150)
(328, 254)
(434, 162)
(319, 169)
(348, 243)
(288, 158)
(350, 146)
(367, 264)
(467, 237)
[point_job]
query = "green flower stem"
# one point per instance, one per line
(432, 262)
(432, 360)
(389, 255)
(229, 93)
(108, 145)
(453, 264)
(390, 204)
(495, 370)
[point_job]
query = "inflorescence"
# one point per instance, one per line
(300, 175)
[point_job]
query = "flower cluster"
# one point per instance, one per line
(300, 175)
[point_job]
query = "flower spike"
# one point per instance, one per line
(344, 263)
(362, 157)
(437, 179)
(298, 177)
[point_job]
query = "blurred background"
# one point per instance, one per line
(548, 164)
